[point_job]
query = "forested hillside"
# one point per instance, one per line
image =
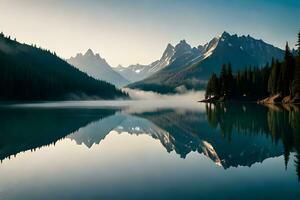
(278, 82)
(31, 73)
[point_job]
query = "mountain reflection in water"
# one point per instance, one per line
(230, 135)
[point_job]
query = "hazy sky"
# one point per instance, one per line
(137, 31)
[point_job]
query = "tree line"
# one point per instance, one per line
(30, 73)
(282, 78)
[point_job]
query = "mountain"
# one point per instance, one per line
(97, 67)
(96, 131)
(190, 68)
(139, 72)
(30, 73)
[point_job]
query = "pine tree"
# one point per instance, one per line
(274, 77)
(230, 81)
(213, 87)
(265, 78)
(296, 81)
(208, 91)
(238, 84)
(287, 71)
(223, 81)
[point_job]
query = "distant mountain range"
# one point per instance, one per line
(182, 67)
(190, 67)
(97, 67)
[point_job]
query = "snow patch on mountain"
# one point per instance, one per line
(211, 46)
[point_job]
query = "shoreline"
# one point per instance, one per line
(272, 100)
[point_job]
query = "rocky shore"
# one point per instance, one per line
(275, 99)
(279, 99)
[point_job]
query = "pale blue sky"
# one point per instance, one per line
(137, 31)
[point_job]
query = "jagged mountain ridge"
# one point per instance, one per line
(190, 67)
(139, 72)
(97, 67)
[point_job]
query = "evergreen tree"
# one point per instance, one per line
(249, 81)
(265, 78)
(223, 80)
(287, 72)
(208, 91)
(296, 82)
(213, 87)
(274, 77)
(238, 84)
(229, 81)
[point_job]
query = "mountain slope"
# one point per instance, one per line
(29, 73)
(191, 70)
(139, 72)
(97, 67)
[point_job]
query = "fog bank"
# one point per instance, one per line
(148, 95)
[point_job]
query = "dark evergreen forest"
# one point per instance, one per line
(31, 73)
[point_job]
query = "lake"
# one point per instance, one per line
(149, 149)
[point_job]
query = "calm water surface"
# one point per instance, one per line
(149, 150)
